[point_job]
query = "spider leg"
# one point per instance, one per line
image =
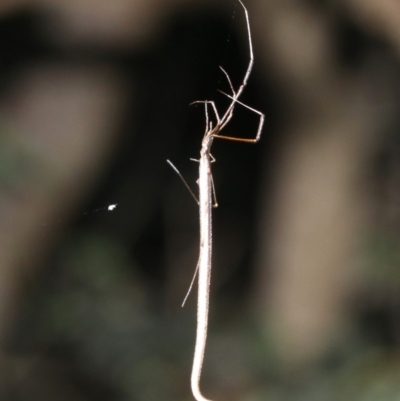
(260, 124)
(209, 125)
(215, 204)
(207, 119)
(228, 114)
(241, 103)
(229, 111)
(184, 181)
(215, 111)
(250, 66)
(229, 80)
(191, 283)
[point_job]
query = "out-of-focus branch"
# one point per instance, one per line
(296, 42)
(334, 123)
(118, 23)
(56, 128)
(379, 16)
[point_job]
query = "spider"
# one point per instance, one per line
(206, 192)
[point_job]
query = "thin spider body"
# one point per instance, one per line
(204, 264)
(206, 190)
(206, 193)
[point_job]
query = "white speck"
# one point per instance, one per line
(112, 207)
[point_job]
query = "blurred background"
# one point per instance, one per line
(99, 237)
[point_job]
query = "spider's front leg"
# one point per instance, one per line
(260, 124)
(206, 102)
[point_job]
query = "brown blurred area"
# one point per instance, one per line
(94, 97)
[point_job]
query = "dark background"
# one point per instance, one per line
(94, 98)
